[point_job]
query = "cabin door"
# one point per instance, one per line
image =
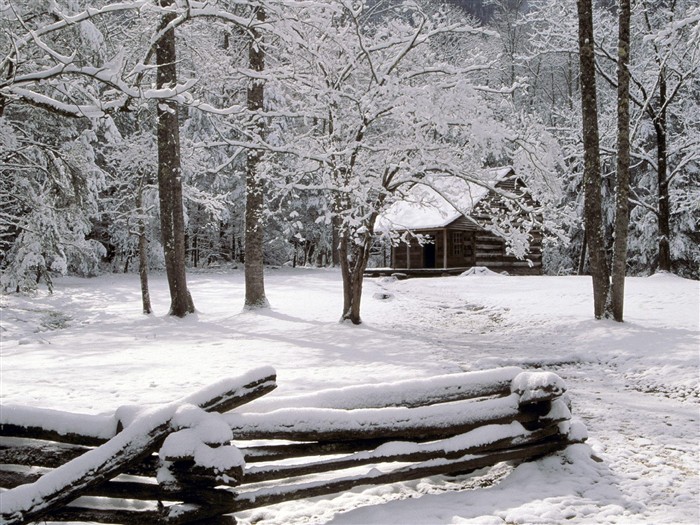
(429, 252)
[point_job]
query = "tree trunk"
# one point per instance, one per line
(619, 265)
(664, 216)
(143, 254)
(582, 256)
(172, 218)
(353, 258)
(335, 244)
(254, 230)
(591, 174)
(143, 270)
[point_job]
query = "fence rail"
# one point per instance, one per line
(202, 458)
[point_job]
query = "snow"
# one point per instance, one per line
(533, 386)
(133, 437)
(425, 207)
(633, 385)
(61, 422)
(398, 393)
(325, 420)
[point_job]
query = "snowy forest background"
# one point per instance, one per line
(320, 114)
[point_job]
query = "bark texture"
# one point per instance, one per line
(172, 218)
(254, 227)
(619, 265)
(353, 253)
(591, 175)
(664, 214)
(143, 253)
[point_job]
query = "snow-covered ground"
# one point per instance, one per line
(87, 348)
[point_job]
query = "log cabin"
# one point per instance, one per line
(435, 238)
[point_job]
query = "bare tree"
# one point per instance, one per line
(619, 264)
(592, 178)
(172, 218)
(254, 228)
(388, 105)
(662, 78)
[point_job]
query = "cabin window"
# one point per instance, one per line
(457, 243)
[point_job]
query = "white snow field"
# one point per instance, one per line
(87, 348)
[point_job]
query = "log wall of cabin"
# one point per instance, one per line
(467, 244)
(413, 254)
(490, 248)
(467, 248)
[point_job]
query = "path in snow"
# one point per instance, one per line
(643, 419)
(649, 442)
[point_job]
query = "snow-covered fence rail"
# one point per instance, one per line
(338, 439)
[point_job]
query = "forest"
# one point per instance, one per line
(169, 134)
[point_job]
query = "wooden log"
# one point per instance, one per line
(56, 425)
(469, 463)
(134, 490)
(181, 514)
(66, 427)
(409, 393)
(286, 451)
(187, 473)
(535, 387)
(411, 424)
(192, 514)
(122, 516)
(403, 452)
(34, 432)
(263, 453)
(140, 439)
(20, 451)
(13, 478)
(50, 454)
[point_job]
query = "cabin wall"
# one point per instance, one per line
(491, 253)
(460, 247)
(414, 255)
(468, 244)
(468, 248)
(490, 248)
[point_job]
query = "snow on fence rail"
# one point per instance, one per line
(187, 461)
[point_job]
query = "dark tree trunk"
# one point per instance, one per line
(335, 244)
(254, 229)
(619, 265)
(143, 253)
(582, 256)
(664, 216)
(172, 219)
(591, 174)
(353, 258)
(353, 261)
(143, 270)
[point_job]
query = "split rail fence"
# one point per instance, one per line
(199, 460)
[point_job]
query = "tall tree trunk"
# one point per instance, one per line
(172, 218)
(143, 252)
(664, 215)
(619, 264)
(591, 173)
(254, 229)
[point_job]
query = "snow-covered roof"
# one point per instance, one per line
(425, 208)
